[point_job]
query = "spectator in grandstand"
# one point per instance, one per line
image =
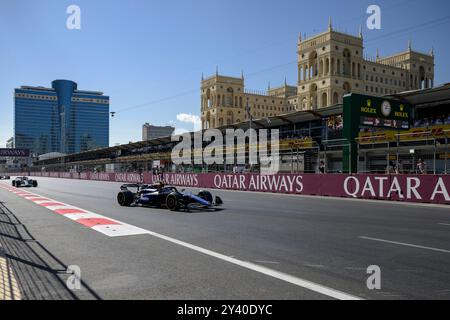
(322, 167)
(437, 121)
(421, 167)
(419, 123)
(390, 168)
(399, 167)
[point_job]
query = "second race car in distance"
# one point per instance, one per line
(159, 195)
(24, 182)
(5, 177)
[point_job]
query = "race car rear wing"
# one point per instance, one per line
(138, 186)
(125, 187)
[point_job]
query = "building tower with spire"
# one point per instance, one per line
(332, 64)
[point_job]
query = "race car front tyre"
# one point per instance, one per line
(172, 202)
(14, 183)
(206, 195)
(34, 183)
(125, 198)
(219, 201)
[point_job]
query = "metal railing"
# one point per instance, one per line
(403, 152)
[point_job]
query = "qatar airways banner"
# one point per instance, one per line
(409, 188)
(423, 188)
(98, 176)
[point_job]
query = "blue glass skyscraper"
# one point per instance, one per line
(60, 119)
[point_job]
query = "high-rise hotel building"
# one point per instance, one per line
(60, 119)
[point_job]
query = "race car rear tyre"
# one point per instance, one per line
(34, 183)
(172, 203)
(125, 198)
(206, 195)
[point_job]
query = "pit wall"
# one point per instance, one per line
(408, 188)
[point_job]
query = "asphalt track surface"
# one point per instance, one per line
(259, 246)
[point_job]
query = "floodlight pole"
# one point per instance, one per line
(251, 134)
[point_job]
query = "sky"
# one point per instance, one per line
(149, 55)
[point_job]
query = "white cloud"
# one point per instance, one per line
(190, 118)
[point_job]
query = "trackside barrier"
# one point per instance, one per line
(408, 188)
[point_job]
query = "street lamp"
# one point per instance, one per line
(249, 114)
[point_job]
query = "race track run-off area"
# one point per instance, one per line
(256, 246)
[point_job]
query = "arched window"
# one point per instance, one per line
(347, 88)
(422, 77)
(304, 103)
(230, 118)
(347, 61)
(229, 97)
(208, 98)
(335, 98)
(313, 96)
(313, 64)
(324, 100)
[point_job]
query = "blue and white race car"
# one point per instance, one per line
(159, 195)
(24, 182)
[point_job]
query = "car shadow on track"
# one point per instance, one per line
(39, 274)
(164, 210)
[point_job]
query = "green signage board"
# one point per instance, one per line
(368, 111)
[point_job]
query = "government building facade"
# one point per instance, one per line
(330, 65)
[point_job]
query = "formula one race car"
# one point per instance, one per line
(24, 182)
(5, 177)
(159, 195)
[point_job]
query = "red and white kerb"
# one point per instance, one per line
(102, 224)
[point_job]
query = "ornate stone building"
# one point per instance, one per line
(330, 65)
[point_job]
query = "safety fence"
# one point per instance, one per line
(407, 188)
(420, 149)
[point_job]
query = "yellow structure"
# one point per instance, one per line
(330, 65)
(224, 100)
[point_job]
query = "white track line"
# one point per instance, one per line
(405, 244)
(260, 269)
(444, 224)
